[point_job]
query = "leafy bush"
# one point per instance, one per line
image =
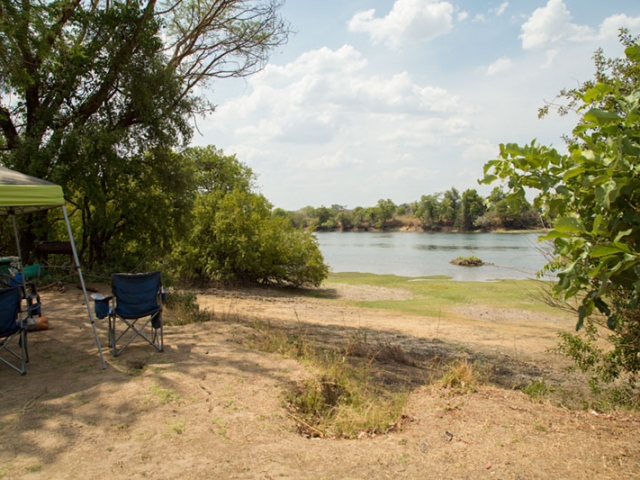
(612, 363)
(183, 309)
(592, 193)
(236, 237)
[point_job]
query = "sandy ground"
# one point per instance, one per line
(208, 407)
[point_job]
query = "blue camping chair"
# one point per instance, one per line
(29, 293)
(12, 328)
(137, 303)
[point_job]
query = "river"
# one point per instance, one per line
(506, 255)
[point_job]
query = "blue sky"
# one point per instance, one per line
(402, 98)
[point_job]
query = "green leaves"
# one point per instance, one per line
(633, 53)
(601, 117)
(234, 236)
(597, 93)
(566, 225)
(593, 193)
(604, 251)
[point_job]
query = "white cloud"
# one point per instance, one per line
(408, 21)
(501, 9)
(474, 149)
(334, 161)
(318, 96)
(551, 56)
(610, 27)
(403, 131)
(500, 65)
(407, 174)
(463, 16)
(552, 24)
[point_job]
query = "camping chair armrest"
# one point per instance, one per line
(101, 304)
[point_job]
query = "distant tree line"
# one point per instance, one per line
(445, 211)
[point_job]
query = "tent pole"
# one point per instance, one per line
(20, 266)
(84, 287)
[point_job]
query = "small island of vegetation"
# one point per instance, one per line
(471, 261)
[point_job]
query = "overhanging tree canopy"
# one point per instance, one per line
(89, 88)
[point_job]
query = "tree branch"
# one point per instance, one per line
(97, 99)
(9, 130)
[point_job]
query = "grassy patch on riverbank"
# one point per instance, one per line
(436, 296)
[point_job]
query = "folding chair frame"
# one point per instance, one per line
(157, 335)
(19, 332)
(135, 325)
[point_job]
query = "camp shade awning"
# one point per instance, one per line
(20, 193)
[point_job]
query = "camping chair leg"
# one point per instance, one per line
(25, 352)
(112, 333)
(157, 332)
(158, 339)
(134, 335)
(155, 341)
(24, 346)
(22, 342)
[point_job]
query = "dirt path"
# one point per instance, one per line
(209, 408)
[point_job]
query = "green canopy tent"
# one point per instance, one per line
(21, 193)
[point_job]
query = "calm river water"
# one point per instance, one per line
(510, 255)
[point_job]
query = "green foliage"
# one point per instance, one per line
(449, 207)
(386, 211)
(234, 235)
(93, 95)
(427, 210)
(471, 208)
(465, 212)
(592, 193)
(181, 308)
(615, 367)
(129, 220)
(537, 390)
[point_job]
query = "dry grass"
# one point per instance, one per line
(461, 376)
(341, 399)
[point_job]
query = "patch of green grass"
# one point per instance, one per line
(439, 297)
(5, 469)
(220, 426)
(538, 390)
(164, 395)
(178, 426)
(541, 428)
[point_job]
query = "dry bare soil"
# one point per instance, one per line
(210, 407)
